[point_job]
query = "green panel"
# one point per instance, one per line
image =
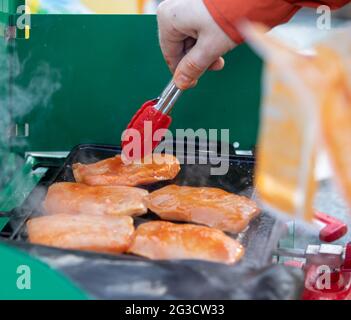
(8, 13)
(19, 182)
(10, 6)
(106, 66)
(22, 182)
(3, 223)
(45, 283)
(7, 164)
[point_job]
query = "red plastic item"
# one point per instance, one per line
(147, 121)
(316, 287)
(347, 261)
(339, 287)
(294, 263)
(340, 282)
(332, 229)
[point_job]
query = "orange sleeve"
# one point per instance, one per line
(269, 12)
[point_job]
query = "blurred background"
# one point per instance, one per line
(94, 6)
(116, 6)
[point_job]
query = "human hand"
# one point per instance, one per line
(191, 41)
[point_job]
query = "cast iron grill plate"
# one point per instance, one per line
(258, 239)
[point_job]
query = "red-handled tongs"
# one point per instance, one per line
(151, 121)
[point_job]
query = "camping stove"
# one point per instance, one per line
(326, 266)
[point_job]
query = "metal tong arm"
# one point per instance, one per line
(168, 98)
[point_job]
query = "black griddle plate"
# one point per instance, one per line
(127, 276)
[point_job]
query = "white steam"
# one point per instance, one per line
(17, 101)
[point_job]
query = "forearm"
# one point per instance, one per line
(269, 12)
(333, 4)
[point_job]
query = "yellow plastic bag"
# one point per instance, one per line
(306, 97)
(335, 113)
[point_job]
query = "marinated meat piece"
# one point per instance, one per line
(209, 206)
(160, 240)
(114, 171)
(106, 234)
(77, 198)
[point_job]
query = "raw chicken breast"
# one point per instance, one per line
(209, 206)
(82, 232)
(160, 240)
(114, 171)
(77, 198)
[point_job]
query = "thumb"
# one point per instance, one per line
(192, 66)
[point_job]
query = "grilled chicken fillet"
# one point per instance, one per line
(114, 171)
(209, 206)
(160, 240)
(77, 198)
(105, 234)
